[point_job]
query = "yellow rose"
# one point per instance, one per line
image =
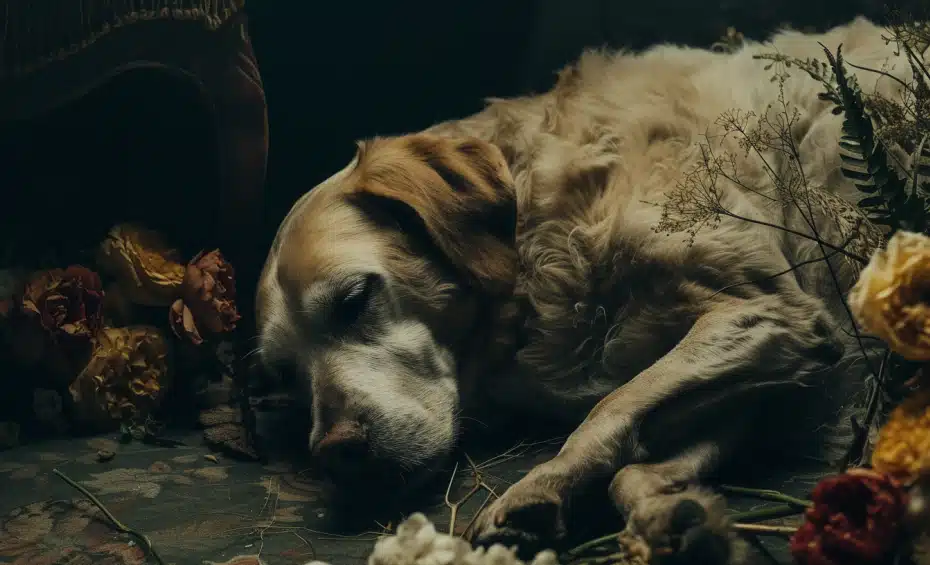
(125, 378)
(891, 299)
(149, 272)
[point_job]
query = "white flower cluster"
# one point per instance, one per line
(418, 543)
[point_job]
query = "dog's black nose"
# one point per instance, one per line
(343, 452)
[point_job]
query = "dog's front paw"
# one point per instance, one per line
(528, 515)
(689, 526)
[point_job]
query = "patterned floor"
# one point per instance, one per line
(197, 507)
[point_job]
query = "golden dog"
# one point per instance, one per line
(510, 258)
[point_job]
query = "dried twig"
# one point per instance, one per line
(487, 500)
(857, 448)
(274, 517)
(146, 542)
(454, 506)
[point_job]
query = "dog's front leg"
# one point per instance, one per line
(732, 350)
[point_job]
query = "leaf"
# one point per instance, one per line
(871, 202)
(864, 158)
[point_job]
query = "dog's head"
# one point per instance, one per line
(373, 285)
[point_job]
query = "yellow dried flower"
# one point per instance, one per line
(125, 377)
(903, 447)
(891, 299)
(145, 267)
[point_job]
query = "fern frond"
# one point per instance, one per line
(865, 159)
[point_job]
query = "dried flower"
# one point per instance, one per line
(148, 270)
(903, 446)
(856, 519)
(65, 302)
(52, 320)
(125, 377)
(182, 322)
(890, 297)
(208, 298)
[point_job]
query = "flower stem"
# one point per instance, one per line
(765, 494)
(765, 529)
(770, 513)
(591, 544)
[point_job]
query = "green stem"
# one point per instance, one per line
(765, 494)
(591, 544)
(770, 513)
(612, 558)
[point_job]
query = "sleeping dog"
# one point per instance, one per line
(512, 259)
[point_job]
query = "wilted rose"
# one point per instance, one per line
(125, 378)
(65, 302)
(51, 322)
(208, 299)
(148, 271)
(182, 322)
(890, 299)
(857, 519)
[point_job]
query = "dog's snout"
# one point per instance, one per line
(343, 450)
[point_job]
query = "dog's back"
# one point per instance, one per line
(628, 142)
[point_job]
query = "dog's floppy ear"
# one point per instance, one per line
(460, 192)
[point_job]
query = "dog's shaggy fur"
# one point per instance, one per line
(511, 257)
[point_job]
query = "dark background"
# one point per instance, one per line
(393, 67)
(141, 147)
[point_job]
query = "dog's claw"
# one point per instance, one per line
(525, 516)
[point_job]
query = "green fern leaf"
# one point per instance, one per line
(864, 158)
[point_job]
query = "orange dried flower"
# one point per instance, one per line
(208, 299)
(145, 267)
(890, 298)
(125, 377)
(903, 446)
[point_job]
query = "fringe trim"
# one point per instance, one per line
(34, 33)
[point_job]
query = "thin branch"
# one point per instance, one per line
(826, 244)
(885, 74)
(776, 275)
(859, 442)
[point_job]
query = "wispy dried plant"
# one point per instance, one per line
(885, 152)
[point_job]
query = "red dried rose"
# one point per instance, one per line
(52, 322)
(856, 519)
(208, 298)
(65, 302)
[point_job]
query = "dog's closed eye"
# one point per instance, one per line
(355, 298)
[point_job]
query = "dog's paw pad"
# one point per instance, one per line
(704, 546)
(686, 515)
